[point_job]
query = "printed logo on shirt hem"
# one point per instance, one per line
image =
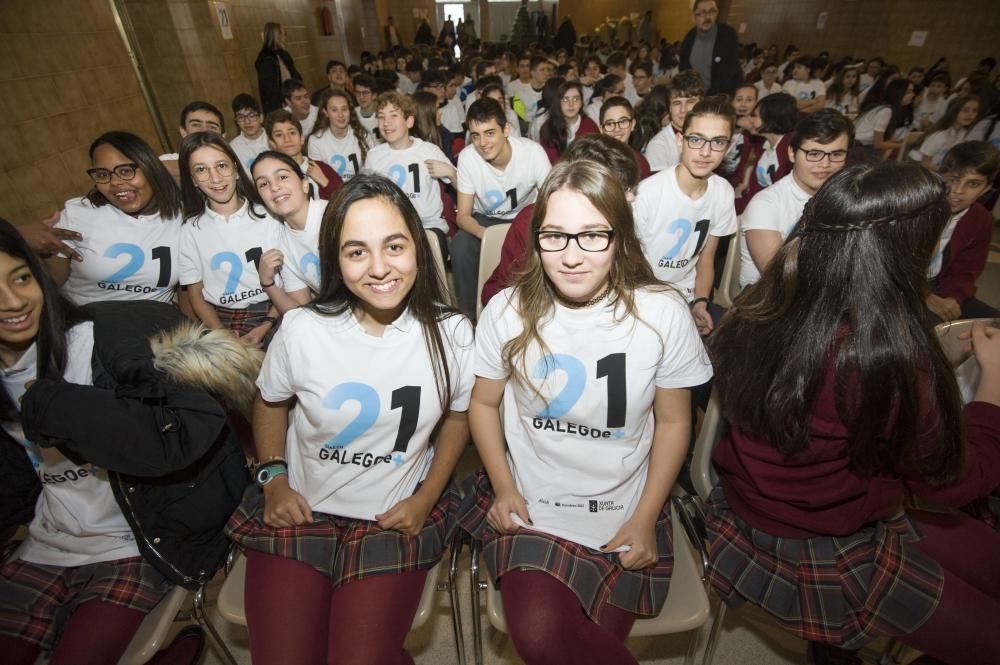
(364, 460)
(555, 425)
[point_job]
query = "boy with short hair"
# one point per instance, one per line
(818, 150)
(284, 134)
(413, 164)
(808, 91)
(523, 80)
(686, 90)
(960, 257)
(933, 103)
(364, 92)
(452, 112)
(252, 139)
(195, 117)
(617, 64)
(526, 102)
(410, 78)
(642, 80)
(297, 103)
(768, 83)
(498, 175)
(681, 213)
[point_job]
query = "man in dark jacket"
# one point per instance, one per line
(712, 49)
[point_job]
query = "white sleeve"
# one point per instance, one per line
(188, 260)
(291, 279)
(69, 222)
(466, 180)
(789, 87)
(315, 152)
(542, 164)
(656, 154)
(684, 363)
(724, 223)
(489, 341)
(881, 119)
(463, 348)
(761, 213)
(932, 144)
(274, 381)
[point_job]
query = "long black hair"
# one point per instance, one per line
(193, 199)
(649, 115)
(166, 196)
(891, 96)
(847, 289)
(57, 316)
(555, 131)
(426, 300)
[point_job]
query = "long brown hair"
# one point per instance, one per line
(323, 122)
(847, 289)
(426, 300)
(534, 293)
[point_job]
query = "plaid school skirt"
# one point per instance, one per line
(36, 601)
(346, 549)
(596, 578)
(243, 321)
(842, 590)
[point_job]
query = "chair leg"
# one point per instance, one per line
(692, 649)
(201, 616)
(713, 635)
(477, 623)
(456, 605)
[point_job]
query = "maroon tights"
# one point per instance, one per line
(294, 615)
(963, 628)
(97, 633)
(548, 625)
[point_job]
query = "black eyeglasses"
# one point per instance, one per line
(718, 144)
(588, 241)
(246, 117)
(622, 123)
(123, 171)
(836, 156)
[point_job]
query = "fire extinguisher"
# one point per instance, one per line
(326, 20)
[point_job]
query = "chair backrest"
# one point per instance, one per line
(712, 427)
(489, 258)
(948, 333)
(729, 284)
(432, 240)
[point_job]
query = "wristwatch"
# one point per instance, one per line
(269, 472)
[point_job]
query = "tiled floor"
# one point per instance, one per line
(747, 638)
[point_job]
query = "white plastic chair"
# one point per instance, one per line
(153, 630)
(686, 608)
(489, 258)
(230, 602)
(954, 348)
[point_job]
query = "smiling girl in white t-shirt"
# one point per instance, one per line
(225, 233)
(351, 507)
(591, 356)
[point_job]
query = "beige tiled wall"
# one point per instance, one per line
(188, 59)
(964, 32)
(65, 78)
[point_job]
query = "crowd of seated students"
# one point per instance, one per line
(302, 247)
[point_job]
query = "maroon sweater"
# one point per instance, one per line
(818, 493)
(965, 255)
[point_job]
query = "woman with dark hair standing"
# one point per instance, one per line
(119, 503)
(274, 66)
(842, 406)
(344, 524)
(130, 225)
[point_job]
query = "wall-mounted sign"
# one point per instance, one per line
(225, 25)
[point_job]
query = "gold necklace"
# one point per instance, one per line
(589, 303)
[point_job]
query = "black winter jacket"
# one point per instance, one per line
(727, 75)
(175, 465)
(269, 76)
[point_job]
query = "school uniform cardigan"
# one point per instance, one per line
(726, 71)
(818, 493)
(965, 255)
(175, 465)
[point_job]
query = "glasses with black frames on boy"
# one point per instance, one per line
(123, 171)
(588, 241)
(717, 144)
(623, 123)
(836, 156)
